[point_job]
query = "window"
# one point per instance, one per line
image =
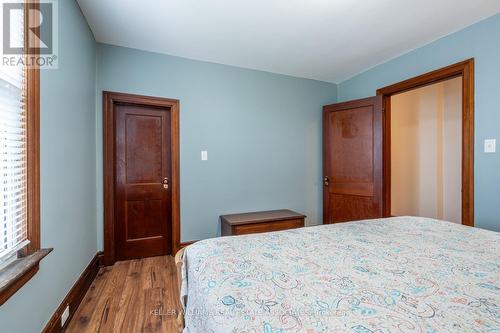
(19, 167)
(13, 153)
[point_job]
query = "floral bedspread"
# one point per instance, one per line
(403, 274)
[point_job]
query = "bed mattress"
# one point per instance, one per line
(403, 274)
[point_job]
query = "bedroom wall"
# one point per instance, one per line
(481, 42)
(262, 132)
(67, 174)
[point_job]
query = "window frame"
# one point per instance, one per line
(32, 88)
(16, 274)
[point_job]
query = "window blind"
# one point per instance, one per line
(13, 151)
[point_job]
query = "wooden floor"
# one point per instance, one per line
(131, 296)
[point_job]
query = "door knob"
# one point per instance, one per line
(326, 181)
(165, 183)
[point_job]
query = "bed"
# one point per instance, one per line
(402, 274)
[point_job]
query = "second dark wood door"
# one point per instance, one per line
(142, 189)
(352, 160)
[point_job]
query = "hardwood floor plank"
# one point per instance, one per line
(158, 297)
(172, 290)
(131, 296)
(109, 303)
(130, 312)
(82, 318)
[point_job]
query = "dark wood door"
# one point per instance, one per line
(352, 160)
(142, 176)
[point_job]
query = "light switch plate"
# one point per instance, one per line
(204, 155)
(490, 145)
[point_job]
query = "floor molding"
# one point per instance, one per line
(75, 295)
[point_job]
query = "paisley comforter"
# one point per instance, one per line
(403, 274)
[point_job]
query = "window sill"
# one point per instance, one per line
(17, 273)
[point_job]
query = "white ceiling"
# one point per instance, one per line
(328, 40)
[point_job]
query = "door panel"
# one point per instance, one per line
(141, 219)
(142, 226)
(352, 144)
(352, 160)
(143, 143)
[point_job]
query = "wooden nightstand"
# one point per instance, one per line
(257, 222)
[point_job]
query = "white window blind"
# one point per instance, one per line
(13, 163)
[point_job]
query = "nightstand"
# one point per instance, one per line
(257, 222)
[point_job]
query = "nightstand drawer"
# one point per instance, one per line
(244, 229)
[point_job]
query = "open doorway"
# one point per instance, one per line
(432, 140)
(426, 151)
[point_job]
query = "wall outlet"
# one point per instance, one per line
(65, 315)
(490, 145)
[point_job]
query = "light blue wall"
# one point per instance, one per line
(481, 41)
(262, 132)
(68, 200)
